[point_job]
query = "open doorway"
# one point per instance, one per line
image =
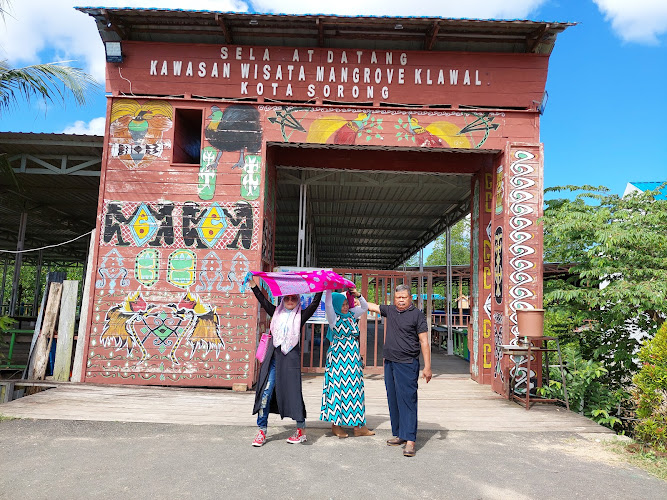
(363, 212)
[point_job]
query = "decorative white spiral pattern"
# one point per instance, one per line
(520, 277)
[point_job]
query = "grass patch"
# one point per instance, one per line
(5, 417)
(654, 463)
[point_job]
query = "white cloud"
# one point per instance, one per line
(33, 26)
(636, 21)
(482, 9)
(93, 127)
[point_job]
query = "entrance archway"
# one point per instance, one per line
(363, 212)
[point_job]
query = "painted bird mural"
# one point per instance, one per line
(422, 136)
(336, 129)
(236, 128)
(119, 325)
(136, 130)
(437, 135)
(203, 329)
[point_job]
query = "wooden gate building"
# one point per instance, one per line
(239, 142)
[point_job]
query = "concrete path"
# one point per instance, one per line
(62, 459)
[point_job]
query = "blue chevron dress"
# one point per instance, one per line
(343, 401)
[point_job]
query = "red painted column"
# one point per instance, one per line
(517, 254)
(480, 333)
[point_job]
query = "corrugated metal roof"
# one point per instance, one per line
(363, 32)
(60, 206)
(368, 218)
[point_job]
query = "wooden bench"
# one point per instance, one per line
(438, 334)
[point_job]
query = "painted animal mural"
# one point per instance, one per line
(439, 134)
(136, 131)
(337, 130)
(237, 128)
(134, 322)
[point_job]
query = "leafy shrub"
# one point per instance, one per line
(587, 393)
(650, 392)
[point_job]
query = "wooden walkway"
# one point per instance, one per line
(446, 403)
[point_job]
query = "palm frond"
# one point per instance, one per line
(50, 81)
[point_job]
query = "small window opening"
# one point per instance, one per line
(187, 135)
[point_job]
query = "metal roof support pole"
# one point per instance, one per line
(311, 248)
(448, 242)
(2, 288)
(301, 241)
(17, 264)
(309, 242)
(38, 284)
(420, 288)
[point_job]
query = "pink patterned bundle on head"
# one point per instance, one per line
(300, 282)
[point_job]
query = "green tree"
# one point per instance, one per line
(460, 246)
(617, 288)
(412, 261)
(50, 81)
(650, 392)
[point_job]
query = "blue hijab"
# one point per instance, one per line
(337, 300)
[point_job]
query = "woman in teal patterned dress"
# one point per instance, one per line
(343, 401)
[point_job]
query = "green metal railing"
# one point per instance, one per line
(6, 364)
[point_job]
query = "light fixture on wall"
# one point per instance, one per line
(113, 52)
(398, 27)
(254, 22)
(543, 103)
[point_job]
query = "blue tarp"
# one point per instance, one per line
(434, 296)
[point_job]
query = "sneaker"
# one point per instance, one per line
(260, 439)
(297, 437)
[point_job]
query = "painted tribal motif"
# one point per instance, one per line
(520, 277)
(132, 323)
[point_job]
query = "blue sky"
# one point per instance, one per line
(605, 121)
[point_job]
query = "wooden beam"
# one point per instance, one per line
(431, 36)
(220, 19)
(63, 361)
(43, 345)
(534, 39)
(320, 32)
(84, 333)
(112, 22)
(380, 160)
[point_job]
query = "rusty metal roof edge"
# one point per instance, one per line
(51, 135)
(41, 137)
(90, 9)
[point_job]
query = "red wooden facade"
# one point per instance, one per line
(187, 197)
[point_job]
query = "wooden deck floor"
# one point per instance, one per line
(446, 403)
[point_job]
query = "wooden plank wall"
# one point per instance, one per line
(175, 243)
(175, 240)
(335, 75)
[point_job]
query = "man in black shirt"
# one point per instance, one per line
(407, 335)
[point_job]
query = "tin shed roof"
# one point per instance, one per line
(363, 32)
(55, 179)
